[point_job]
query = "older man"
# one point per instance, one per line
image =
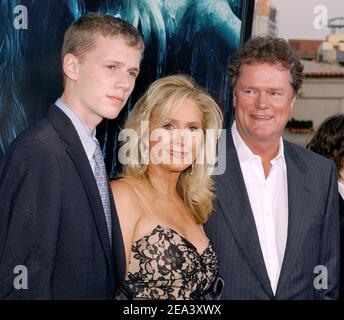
(276, 227)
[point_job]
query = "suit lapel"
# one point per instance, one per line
(91, 188)
(76, 152)
(117, 242)
(298, 193)
(234, 202)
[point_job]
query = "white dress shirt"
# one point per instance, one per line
(269, 202)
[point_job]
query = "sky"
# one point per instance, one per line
(297, 17)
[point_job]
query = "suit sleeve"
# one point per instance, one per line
(30, 200)
(329, 244)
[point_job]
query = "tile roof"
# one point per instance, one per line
(313, 69)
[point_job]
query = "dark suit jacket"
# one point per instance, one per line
(341, 216)
(52, 220)
(313, 230)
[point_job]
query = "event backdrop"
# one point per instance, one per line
(196, 37)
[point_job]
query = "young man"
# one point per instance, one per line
(57, 217)
(276, 225)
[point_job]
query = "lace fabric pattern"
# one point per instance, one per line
(165, 265)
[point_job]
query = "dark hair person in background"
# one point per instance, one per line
(329, 142)
(57, 216)
(275, 223)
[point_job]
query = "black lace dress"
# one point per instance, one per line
(165, 265)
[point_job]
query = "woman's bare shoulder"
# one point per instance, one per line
(123, 187)
(125, 197)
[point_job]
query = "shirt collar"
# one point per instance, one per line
(87, 137)
(245, 153)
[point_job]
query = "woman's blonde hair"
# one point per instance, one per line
(195, 189)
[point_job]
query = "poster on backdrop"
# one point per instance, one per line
(182, 36)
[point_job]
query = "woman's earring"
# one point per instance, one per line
(192, 168)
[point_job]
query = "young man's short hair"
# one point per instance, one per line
(79, 38)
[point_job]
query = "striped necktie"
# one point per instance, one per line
(103, 187)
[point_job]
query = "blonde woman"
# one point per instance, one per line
(164, 195)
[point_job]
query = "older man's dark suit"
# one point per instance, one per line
(52, 220)
(341, 217)
(313, 230)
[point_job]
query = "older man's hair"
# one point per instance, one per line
(270, 50)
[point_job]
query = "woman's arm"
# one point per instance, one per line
(129, 213)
